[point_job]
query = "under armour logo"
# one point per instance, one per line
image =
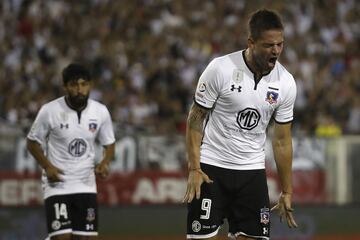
(233, 88)
(265, 230)
(64, 126)
(89, 227)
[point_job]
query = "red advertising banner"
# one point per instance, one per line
(309, 186)
(142, 187)
(151, 187)
(19, 189)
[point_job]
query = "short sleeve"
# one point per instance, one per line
(285, 111)
(40, 127)
(106, 131)
(208, 87)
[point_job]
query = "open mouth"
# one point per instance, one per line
(273, 60)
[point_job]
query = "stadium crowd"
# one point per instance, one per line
(146, 56)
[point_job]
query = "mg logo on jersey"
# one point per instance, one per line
(77, 147)
(248, 118)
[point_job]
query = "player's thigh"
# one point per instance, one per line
(250, 212)
(85, 215)
(206, 215)
(58, 215)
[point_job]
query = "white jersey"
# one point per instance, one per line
(68, 139)
(235, 132)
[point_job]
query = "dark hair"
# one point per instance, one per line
(263, 20)
(74, 72)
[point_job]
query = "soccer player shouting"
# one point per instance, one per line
(235, 99)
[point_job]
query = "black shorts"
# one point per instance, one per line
(72, 213)
(240, 196)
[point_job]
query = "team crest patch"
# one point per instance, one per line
(265, 215)
(271, 97)
(92, 127)
(90, 214)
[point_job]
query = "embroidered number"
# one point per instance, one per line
(206, 206)
(60, 210)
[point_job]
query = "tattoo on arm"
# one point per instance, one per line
(196, 117)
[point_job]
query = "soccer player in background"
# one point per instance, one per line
(62, 140)
(235, 99)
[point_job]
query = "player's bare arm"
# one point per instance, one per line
(194, 134)
(52, 172)
(102, 169)
(282, 147)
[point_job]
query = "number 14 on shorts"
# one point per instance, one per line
(60, 210)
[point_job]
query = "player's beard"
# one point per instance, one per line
(78, 101)
(262, 63)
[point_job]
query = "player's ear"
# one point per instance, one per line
(250, 42)
(64, 86)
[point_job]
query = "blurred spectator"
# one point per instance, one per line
(327, 127)
(147, 55)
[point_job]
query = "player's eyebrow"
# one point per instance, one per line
(273, 44)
